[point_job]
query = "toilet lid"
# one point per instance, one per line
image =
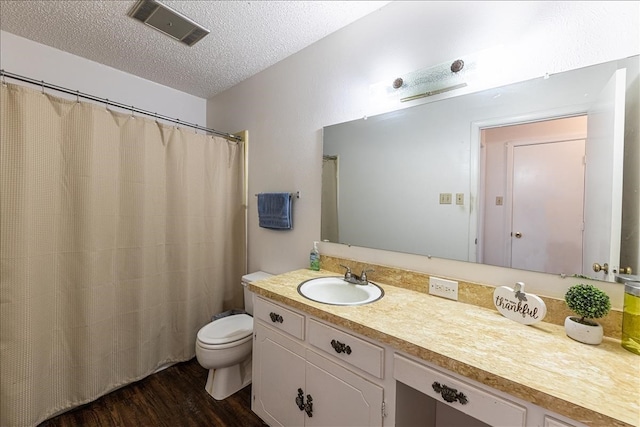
(226, 330)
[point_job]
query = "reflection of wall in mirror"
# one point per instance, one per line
(329, 223)
(428, 149)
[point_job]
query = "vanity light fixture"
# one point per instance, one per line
(437, 75)
(168, 21)
(441, 78)
(397, 83)
(433, 92)
(457, 65)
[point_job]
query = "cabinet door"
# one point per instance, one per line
(278, 373)
(340, 397)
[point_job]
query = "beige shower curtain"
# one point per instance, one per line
(119, 239)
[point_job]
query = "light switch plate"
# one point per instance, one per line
(445, 198)
(460, 199)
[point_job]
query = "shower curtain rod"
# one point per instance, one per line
(106, 101)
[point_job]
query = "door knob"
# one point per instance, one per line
(518, 234)
(604, 267)
(626, 270)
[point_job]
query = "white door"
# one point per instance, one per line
(603, 179)
(547, 218)
(340, 397)
(278, 373)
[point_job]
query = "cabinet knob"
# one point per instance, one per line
(449, 394)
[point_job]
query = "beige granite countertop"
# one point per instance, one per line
(595, 385)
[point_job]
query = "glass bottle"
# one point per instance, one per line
(631, 317)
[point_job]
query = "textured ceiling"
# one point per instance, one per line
(246, 36)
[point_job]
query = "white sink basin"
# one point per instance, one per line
(336, 291)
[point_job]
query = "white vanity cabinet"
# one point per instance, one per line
(429, 396)
(307, 372)
(447, 392)
(294, 385)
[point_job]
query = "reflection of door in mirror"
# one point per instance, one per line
(546, 218)
(329, 221)
(536, 224)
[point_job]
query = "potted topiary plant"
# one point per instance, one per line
(589, 303)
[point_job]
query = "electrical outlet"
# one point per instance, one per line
(443, 288)
(445, 198)
(459, 198)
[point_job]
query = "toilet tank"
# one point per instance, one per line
(248, 295)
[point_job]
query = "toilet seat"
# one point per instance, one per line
(226, 330)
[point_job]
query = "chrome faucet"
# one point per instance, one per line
(363, 276)
(349, 277)
(347, 274)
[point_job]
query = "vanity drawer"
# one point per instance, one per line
(279, 317)
(355, 351)
(552, 422)
(480, 404)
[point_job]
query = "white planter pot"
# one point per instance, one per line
(584, 333)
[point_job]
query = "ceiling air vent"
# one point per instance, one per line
(168, 21)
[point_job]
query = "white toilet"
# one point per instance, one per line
(224, 347)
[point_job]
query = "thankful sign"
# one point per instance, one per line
(519, 306)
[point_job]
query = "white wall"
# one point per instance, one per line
(37, 61)
(286, 106)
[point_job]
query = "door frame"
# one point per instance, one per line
(478, 164)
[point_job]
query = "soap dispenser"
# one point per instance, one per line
(314, 258)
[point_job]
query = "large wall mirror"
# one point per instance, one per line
(540, 175)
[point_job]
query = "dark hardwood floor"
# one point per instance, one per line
(174, 397)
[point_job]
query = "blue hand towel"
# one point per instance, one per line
(274, 211)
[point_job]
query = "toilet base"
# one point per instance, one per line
(223, 382)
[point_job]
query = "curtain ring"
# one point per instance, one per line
(132, 116)
(42, 86)
(78, 96)
(106, 104)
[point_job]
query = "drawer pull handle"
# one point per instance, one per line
(449, 394)
(300, 399)
(276, 317)
(308, 407)
(340, 347)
